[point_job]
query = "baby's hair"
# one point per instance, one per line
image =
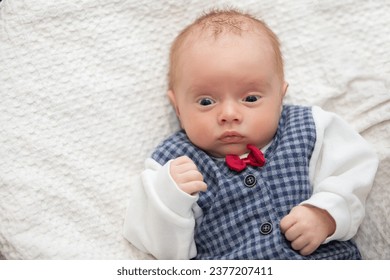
(217, 22)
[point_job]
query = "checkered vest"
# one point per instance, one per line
(242, 211)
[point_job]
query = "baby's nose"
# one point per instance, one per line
(230, 112)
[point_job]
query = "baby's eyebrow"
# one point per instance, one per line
(199, 89)
(255, 84)
(245, 84)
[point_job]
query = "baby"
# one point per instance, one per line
(295, 179)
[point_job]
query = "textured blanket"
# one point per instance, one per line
(82, 104)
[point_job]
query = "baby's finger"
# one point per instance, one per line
(194, 187)
(286, 223)
(185, 167)
(299, 243)
(292, 233)
(182, 160)
(190, 175)
(308, 249)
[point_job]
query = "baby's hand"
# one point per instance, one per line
(187, 176)
(307, 227)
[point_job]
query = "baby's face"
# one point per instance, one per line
(228, 94)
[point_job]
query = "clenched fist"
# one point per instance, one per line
(307, 227)
(187, 176)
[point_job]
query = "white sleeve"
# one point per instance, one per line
(342, 171)
(159, 217)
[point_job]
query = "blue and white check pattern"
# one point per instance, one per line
(241, 221)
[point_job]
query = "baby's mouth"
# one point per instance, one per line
(231, 137)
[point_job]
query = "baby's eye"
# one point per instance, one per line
(206, 101)
(251, 98)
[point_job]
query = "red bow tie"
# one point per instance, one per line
(254, 158)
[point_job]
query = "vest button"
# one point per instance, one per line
(266, 228)
(250, 181)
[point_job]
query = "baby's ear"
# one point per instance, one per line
(172, 99)
(284, 89)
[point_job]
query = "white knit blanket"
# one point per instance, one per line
(82, 104)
